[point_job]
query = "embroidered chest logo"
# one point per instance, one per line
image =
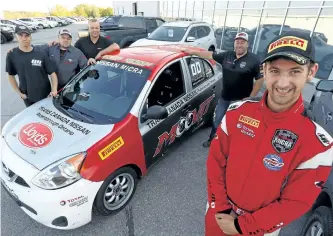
(284, 140)
(273, 162)
(243, 64)
(249, 121)
(36, 62)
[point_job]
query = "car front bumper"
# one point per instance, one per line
(66, 208)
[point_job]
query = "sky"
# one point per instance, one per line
(43, 6)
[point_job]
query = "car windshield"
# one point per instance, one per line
(168, 33)
(103, 93)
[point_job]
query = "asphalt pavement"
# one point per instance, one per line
(170, 201)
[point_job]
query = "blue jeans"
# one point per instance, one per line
(220, 110)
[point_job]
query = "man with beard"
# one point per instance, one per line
(94, 45)
(32, 68)
(269, 162)
(240, 69)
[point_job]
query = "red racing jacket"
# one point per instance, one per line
(269, 166)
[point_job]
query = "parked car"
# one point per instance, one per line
(7, 33)
(34, 27)
(34, 22)
(199, 34)
(47, 23)
(125, 30)
(15, 23)
(112, 122)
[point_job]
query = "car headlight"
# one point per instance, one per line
(60, 174)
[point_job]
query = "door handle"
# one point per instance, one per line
(214, 89)
(329, 116)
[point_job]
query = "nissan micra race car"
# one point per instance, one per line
(87, 147)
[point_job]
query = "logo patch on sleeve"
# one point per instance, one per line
(323, 139)
(284, 140)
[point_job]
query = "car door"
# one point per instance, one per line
(203, 37)
(323, 107)
(193, 33)
(159, 136)
(151, 25)
(205, 91)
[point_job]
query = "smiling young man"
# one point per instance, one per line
(32, 68)
(268, 162)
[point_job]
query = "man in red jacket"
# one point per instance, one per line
(268, 161)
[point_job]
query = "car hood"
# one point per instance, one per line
(148, 42)
(42, 135)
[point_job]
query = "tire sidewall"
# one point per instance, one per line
(99, 199)
(324, 215)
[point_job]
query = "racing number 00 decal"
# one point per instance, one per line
(195, 68)
(183, 125)
(111, 148)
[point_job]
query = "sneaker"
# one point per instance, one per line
(207, 143)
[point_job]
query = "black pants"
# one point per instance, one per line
(27, 102)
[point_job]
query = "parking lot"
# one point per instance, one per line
(169, 201)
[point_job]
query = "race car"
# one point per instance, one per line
(87, 147)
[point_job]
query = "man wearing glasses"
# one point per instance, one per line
(240, 68)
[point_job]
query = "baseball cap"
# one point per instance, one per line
(242, 35)
(65, 31)
(295, 45)
(22, 29)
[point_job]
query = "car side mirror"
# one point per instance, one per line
(190, 39)
(156, 113)
(325, 86)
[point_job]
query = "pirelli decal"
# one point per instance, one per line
(288, 41)
(111, 148)
(249, 121)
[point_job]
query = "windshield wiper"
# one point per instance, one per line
(82, 114)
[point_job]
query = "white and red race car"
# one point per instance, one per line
(88, 146)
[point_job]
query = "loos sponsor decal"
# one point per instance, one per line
(35, 135)
(111, 148)
(249, 121)
(78, 201)
(288, 41)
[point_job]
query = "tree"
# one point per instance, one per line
(106, 11)
(81, 10)
(94, 11)
(59, 10)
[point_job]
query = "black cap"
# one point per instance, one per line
(295, 45)
(22, 29)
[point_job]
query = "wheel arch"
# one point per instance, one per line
(323, 199)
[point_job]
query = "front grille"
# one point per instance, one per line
(14, 177)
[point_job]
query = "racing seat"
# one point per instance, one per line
(170, 88)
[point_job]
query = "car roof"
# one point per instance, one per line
(149, 56)
(183, 23)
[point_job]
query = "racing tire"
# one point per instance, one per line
(320, 223)
(123, 181)
(3, 39)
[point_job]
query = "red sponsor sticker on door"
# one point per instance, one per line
(35, 135)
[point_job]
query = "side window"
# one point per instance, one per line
(159, 22)
(209, 72)
(168, 87)
(197, 71)
(202, 32)
(131, 22)
(193, 32)
(151, 24)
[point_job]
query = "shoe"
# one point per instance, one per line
(207, 143)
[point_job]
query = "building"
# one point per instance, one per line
(144, 8)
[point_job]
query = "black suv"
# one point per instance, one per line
(7, 34)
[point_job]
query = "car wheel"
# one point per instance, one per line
(320, 223)
(116, 191)
(3, 39)
(212, 49)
